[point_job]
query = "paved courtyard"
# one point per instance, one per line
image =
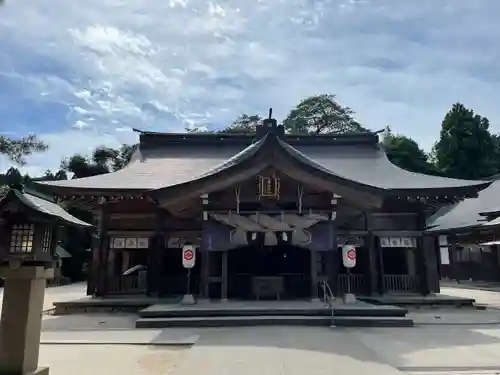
(279, 350)
(487, 297)
(455, 341)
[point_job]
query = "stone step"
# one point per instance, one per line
(176, 311)
(373, 321)
(276, 320)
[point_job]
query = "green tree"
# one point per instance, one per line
(103, 160)
(405, 153)
(12, 178)
(244, 124)
(50, 176)
(81, 166)
(496, 142)
(18, 149)
(321, 114)
(466, 148)
(122, 157)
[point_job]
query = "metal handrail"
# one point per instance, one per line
(328, 298)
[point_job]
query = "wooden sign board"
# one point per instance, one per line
(131, 243)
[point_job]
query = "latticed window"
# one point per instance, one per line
(47, 234)
(21, 240)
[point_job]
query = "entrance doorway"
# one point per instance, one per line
(287, 265)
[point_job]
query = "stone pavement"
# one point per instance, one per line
(490, 298)
(315, 350)
(455, 341)
(292, 350)
(468, 317)
(280, 350)
(436, 349)
(110, 359)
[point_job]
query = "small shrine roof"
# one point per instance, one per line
(42, 205)
(469, 213)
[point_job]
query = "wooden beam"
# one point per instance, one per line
(134, 216)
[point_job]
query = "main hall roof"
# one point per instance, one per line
(166, 160)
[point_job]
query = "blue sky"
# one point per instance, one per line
(82, 74)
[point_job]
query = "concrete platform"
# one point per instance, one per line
(175, 337)
(412, 301)
(129, 304)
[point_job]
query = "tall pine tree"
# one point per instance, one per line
(466, 148)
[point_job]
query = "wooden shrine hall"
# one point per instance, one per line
(267, 214)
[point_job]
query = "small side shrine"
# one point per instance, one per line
(29, 229)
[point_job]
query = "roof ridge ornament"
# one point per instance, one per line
(270, 126)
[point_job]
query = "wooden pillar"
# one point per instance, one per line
(224, 276)
(452, 253)
(102, 248)
(204, 252)
(333, 257)
(205, 272)
(93, 265)
(155, 255)
(410, 261)
(420, 255)
(373, 276)
(151, 276)
(496, 259)
(380, 262)
(314, 274)
(420, 258)
(431, 264)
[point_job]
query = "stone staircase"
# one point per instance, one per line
(233, 314)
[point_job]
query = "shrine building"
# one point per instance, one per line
(268, 214)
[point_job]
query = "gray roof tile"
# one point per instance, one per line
(157, 168)
(49, 208)
(466, 214)
(167, 165)
(370, 166)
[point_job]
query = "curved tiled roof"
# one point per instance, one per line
(44, 206)
(371, 166)
(166, 161)
(467, 213)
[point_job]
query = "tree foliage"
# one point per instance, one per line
(466, 148)
(405, 153)
(321, 114)
(103, 160)
(244, 124)
(18, 149)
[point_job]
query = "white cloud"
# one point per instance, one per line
(101, 68)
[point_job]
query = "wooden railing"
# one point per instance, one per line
(400, 283)
(130, 284)
(351, 284)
